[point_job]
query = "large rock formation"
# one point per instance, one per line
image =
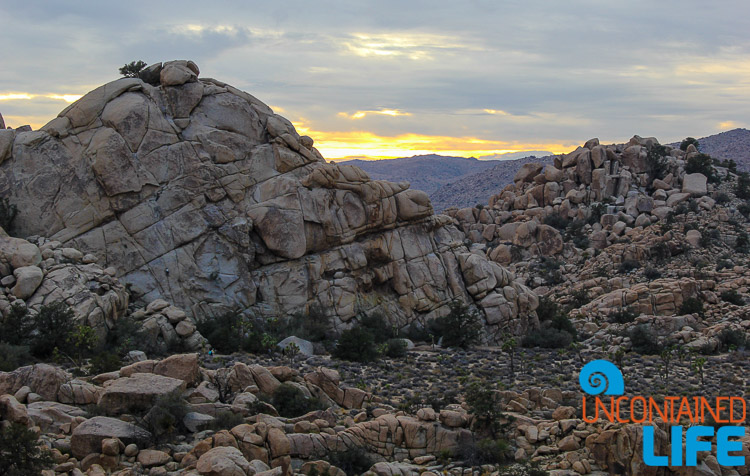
(198, 193)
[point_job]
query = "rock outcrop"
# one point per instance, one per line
(197, 193)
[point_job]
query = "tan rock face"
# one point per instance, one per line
(198, 193)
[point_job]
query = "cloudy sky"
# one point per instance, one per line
(398, 78)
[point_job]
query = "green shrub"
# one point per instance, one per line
(53, 326)
(732, 297)
(579, 298)
(657, 164)
(104, 362)
(744, 209)
(692, 306)
(234, 331)
(527, 468)
(556, 220)
(651, 273)
(395, 348)
(731, 338)
(687, 141)
(485, 451)
(356, 344)
(724, 264)
(742, 244)
(8, 212)
(547, 338)
(226, 420)
(643, 341)
(623, 316)
(351, 461)
(13, 356)
(16, 327)
(547, 309)
(702, 164)
(21, 453)
(722, 198)
(742, 190)
(627, 266)
(314, 325)
(375, 323)
(417, 332)
(596, 211)
(291, 401)
(461, 327)
(133, 69)
(165, 417)
(660, 252)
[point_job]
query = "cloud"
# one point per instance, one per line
(529, 72)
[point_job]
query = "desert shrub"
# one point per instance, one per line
(732, 297)
(660, 252)
(375, 323)
(226, 420)
(623, 316)
(16, 326)
(744, 209)
(702, 164)
(165, 417)
(728, 164)
(643, 340)
(692, 205)
(575, 233)
(687, 141)
(731, 339)
(526, 468)
(657, 163)
(461, 327)
(104, 362)
(579, 297)
(356, 344)
(483, 403)
(651, 273)
(692, 306)
(125, 335)
(21, 453)
(596, 211)
(315, 325)
(352, 461)
(547, 309)
(722, 198)
(133, 69)
(556, 220)
(627, 266)
(547, 338)
(484, 451)
(13, 356)
(8, 212)
(724, 264)
(417, 332)
(395, 348)
(742, 190)
(53, 326)
(742, 244)
(234, 331)
(291, 401)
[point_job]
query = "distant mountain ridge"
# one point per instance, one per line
(734, 144)
(477, 188)
(424, 172)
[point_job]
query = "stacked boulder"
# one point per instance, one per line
(197, 193)
(618, 178)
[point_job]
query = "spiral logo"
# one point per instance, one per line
(601, 376)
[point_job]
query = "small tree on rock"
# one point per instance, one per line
(133, 69)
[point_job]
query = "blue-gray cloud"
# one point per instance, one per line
(562, 71)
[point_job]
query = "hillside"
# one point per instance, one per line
(423, 172)
(734, 144)
(476, 188)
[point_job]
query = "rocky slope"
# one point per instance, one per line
(196, 192)
(424, 172)
(477, 188)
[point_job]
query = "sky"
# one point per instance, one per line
(366, 79)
